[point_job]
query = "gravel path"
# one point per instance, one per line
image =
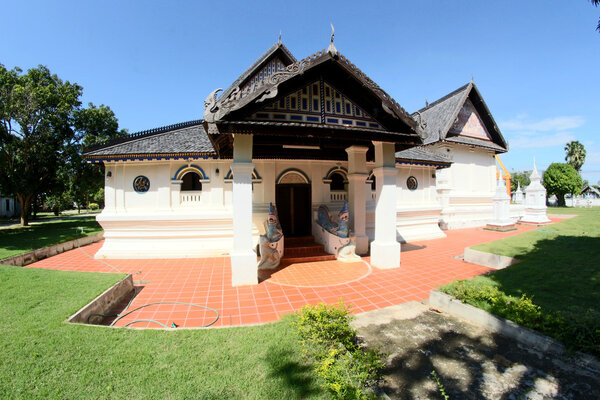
(471, 362)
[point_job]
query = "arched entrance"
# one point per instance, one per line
(293, 200)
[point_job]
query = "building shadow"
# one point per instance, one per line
(285, 366)
(560, 273)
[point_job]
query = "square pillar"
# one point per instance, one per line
(243, 258)
(385, 249)
(357, 176)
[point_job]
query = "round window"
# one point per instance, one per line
(141, 184)
(411, 183)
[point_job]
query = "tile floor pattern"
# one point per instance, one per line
(207, 281)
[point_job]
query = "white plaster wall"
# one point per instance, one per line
(471, 181)
(158, 224)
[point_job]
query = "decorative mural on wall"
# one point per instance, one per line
(412, 183)
(271, 243)
(141, 184)
(468, 123)
(318, 103)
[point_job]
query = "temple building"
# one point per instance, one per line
(299, 134)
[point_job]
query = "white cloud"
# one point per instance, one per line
(547, 140)
(548, 124)
(523, 132)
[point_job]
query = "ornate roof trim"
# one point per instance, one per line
(315, 125)
(217, 108)
(151, 157)
(256, 66)
(142, 134)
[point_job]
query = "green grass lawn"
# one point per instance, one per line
(21, 240)
(42, 356)
(559, 271)
(560, 264)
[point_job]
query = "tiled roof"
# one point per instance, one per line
(476, 142)
(440, 115)
(188, 137)
(422, 154)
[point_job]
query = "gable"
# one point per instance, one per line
(468, 123)
(318, 102)
(258, 80)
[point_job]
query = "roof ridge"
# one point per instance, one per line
(142, 134)
(442, 99)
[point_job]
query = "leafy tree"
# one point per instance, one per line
(575, 154)
(92, 125)
(519, 177)
(560, 179)
(36, 117)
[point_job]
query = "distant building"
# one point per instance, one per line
(8, 207)
(590, 192)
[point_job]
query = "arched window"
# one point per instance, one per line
(191, 181)
(337, 182)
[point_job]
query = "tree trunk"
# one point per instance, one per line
(24, 200)
(561, 200)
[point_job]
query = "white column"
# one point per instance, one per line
(357, 175)
(109, 187)
(243, 258)
(385, 249)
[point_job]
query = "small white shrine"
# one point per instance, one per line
(535, 200)
(501, 203)
(519, 194)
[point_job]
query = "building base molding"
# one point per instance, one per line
(385, 255)
(243, 269)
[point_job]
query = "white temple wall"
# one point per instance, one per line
(471, 182)
(168, 222)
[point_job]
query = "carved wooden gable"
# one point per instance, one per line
(319, 103)
(468, 123)
(258, 80)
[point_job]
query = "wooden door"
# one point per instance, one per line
(294, 208)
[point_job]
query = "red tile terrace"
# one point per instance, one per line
(207, 281)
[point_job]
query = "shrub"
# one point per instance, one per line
(94, 206)
(347, 370)
(577, 332)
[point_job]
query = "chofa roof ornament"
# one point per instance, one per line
(331, 49)
(211, 107)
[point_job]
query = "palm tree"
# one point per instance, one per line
(575, 154)
(597, 3)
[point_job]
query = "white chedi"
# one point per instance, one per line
(535, 200)
(519, 194)
(501, 204)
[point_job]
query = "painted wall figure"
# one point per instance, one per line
(271, 243)
(339, 227)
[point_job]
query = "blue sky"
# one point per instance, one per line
(154, 62)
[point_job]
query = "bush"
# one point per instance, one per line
(577, 332)
(347, 370)
(94, 206)
(561, 179)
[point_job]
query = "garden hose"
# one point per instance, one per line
(165, 302)
(119, 316)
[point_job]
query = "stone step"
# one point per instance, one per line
(303, 251)
(298, 241)
(311, 258)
